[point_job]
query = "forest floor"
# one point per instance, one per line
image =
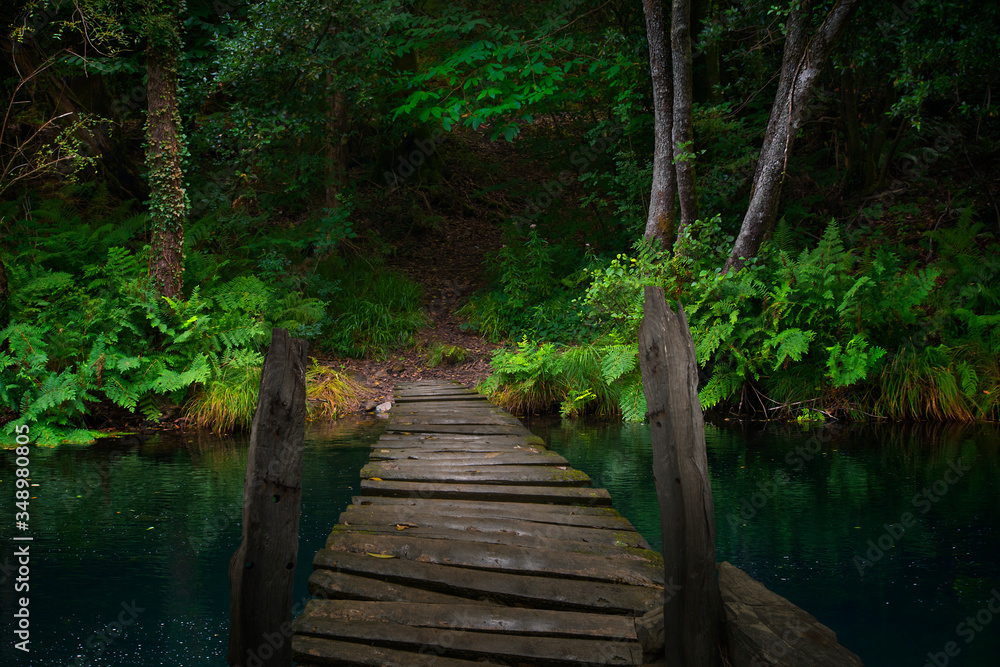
(444, 243)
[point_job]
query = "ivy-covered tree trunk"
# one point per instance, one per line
(660, 221)
(683, 135)
(165, 148)
(801, 64)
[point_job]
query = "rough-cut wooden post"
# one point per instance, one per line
(262, 569)
(692, 606)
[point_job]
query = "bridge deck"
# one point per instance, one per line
(472, 543)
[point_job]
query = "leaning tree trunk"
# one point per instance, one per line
(683, 134)
(660, 221)
(164, 155)
(800, 68)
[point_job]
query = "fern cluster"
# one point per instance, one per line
(600, 379)
(824, 328)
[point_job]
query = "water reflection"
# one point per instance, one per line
(886, 533)
(140, 532)
(133, 539)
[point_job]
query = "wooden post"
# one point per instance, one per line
(692, 605)
(262, 569)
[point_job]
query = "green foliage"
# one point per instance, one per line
(229, 399)
(329, 393)
(535, 377)
(442, 353)
(531, 301)
(857, 333)
(375, 311)
(485, 72)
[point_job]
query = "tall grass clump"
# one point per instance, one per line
(226, 402)
(330, 394)
(375, 311)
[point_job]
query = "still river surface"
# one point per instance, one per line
(890, 535)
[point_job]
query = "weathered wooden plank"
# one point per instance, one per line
(459, 429)
(497, 437)
(262, 569)
(530, 590)
(477, 618)
(493, 492)
(471, 417)
(623, 569)
(328, 584)
(468, 443)
(426, 419)
(523, 475)
(606, 543)
(323, 651)
(464, 406)
(447, 394)
(508, 456)
(542, 651)
(436, 398)
(486, 525)
(603, 517)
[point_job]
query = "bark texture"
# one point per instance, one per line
(660, 221)
(165, 152)
(801, 64)
(683, 135)
(692, 604)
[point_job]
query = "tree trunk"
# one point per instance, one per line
(164, 158)
(692, 607)
(660, 221)
(336, 150)
(799, 70)
(683, 135)
(262, 570)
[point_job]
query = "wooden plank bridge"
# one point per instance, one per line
(472, 543)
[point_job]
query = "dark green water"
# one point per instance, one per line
(805, 510)
(152, 526)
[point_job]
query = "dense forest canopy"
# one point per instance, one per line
(815, 180)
